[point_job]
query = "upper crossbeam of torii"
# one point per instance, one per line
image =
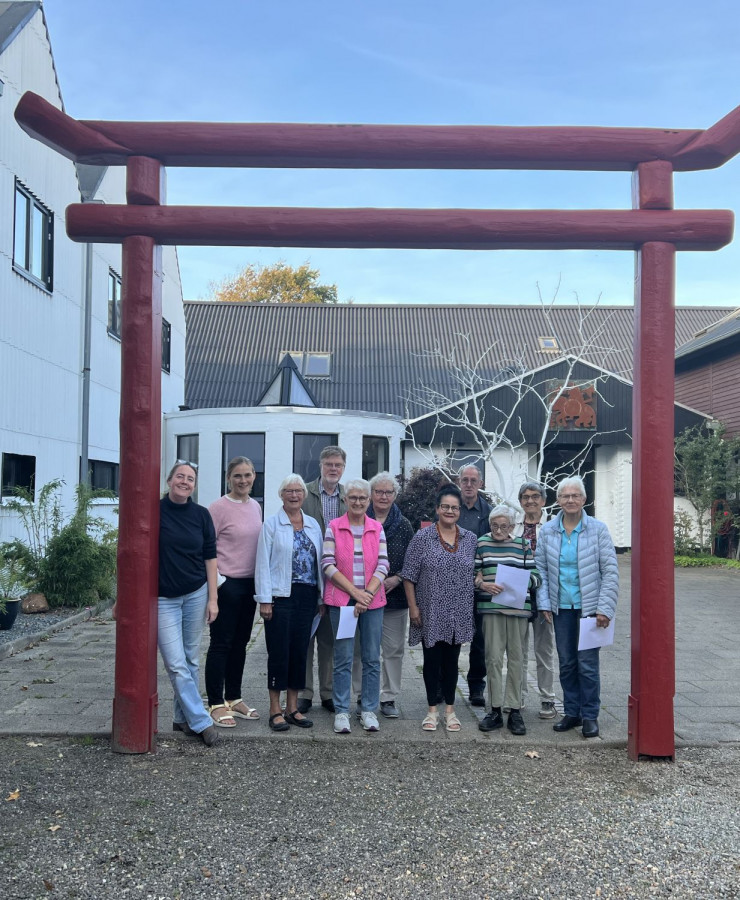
(651, 228)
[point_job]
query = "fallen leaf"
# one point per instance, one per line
(24, 687)
(49, 885)
(54, 827)
(14, 795)
(532, 754)
(34, 744)
(206, 872)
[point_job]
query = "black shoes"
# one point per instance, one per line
(590, 728)
(292, 719)
(515, 722)
(492, 721)
(477, 698)
(566, 723)
(209, 735)
(278, 726)
(327, 704)
(303, 706)
(182, 726)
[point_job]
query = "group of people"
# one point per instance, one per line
(339, 574)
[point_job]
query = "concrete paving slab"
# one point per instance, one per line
(81, 659)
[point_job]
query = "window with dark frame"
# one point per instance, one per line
(306, 450)
(311, 364)
(188, 448)
(33, 242)
(251, 445)
(103, 475)
(114, 303)
(18, 471)
(375, 455)
(166, 341)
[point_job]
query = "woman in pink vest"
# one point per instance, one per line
(355, 562)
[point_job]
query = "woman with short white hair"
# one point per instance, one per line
(288, 581)
(580, 578)
(504, 627)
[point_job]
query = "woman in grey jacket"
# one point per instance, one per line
(288, 582)
(576, 558)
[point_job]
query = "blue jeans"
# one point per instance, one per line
(579, 670)
(370, 631)
(181, 621)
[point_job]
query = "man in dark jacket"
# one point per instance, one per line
(324, 501)
(474, 514)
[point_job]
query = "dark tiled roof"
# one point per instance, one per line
(381, 354)
(726, 329)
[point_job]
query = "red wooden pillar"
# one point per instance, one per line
(650, 719)
(135, 701)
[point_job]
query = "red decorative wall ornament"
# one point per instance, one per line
(573, 407)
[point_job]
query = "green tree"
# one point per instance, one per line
(706, 469)
(278, 283)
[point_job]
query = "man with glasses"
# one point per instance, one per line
(532, 498)
(474, 514)
(324, 501)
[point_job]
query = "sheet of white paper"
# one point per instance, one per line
(592, 636)
(515, 583)
(347, 622)
(315, 624)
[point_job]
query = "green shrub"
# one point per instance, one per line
(687, 562)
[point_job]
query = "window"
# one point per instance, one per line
(311, 364)
(114, 303)
(306, 450)
(374, 456)
(549, 344)
(166, 338)
(18, 471)
(103, 475)
(251, 445)
(188, 448)
(33, 248)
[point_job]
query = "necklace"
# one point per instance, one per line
(450, 548)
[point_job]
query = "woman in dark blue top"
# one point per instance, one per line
(188, 575)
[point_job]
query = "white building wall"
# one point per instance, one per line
(41, 333)
(278, 424)
(613, 491)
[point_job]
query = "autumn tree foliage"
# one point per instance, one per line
(277, 283)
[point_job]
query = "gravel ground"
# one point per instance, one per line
(332, 820)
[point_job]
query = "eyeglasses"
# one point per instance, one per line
(358, 499)
(571, 497)
(331, 465)
(527, 497)
(500, 527)
(445, 507)
(186, 462)
(379, 493)
(292, 490)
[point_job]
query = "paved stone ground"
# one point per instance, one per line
(64, 684)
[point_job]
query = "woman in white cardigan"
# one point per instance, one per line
(288, 582)
(576, 558)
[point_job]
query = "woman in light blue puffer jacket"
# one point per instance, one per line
(576, 558)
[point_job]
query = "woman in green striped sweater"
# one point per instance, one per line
(504, 627)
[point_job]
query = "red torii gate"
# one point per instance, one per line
(652, 228)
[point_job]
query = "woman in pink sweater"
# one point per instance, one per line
(238, 520)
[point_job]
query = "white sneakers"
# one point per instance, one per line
(369, 721)
(341, 724)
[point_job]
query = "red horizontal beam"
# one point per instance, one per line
(460, 229)
(376, 146)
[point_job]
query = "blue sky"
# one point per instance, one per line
(663, 63)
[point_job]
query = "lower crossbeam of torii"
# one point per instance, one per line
(652, 229)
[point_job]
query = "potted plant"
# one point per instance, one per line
(13, 585)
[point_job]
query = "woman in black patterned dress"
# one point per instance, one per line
(438, 579)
